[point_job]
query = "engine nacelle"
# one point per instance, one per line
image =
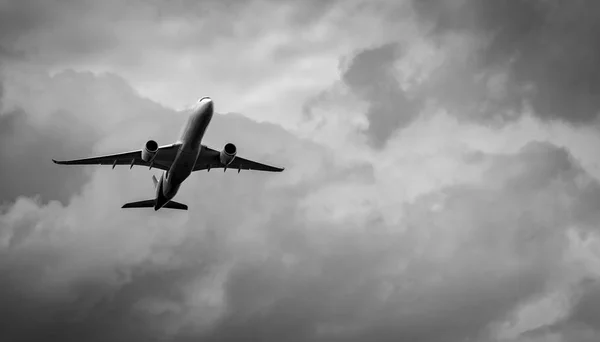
(149, 150)
(228, 154)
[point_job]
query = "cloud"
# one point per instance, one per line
(26, 150)
(544, 52)
(137, 39)
(484, 62)
(281, 256)
(64, 116)
(451, 230)
(180, 50)
(370, 76)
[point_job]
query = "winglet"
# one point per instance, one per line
(60, 162)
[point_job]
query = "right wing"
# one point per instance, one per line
(209, 159)
(163, 159)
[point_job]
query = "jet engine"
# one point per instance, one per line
(149, 150)
(228, 154)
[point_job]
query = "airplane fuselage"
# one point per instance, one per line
(189, 151)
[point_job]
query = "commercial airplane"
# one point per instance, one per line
(178, 160)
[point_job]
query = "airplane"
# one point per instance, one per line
(178, 160)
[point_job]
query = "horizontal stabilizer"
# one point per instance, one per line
(150, 204)
(176, 205)
(139, 204)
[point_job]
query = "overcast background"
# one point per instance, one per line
(441, 184)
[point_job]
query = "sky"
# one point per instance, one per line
(442, 177)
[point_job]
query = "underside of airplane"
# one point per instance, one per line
(178, 160)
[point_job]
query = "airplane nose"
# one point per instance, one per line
(207, 103)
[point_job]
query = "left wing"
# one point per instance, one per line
(163, 159)
(209, 159)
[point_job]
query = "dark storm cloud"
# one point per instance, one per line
(586, 312)
(548, 49)
(347, 287)
(567, 332)
(96, 308)
(26, 150)
(7, 54)
(370, 75)
(498, 59)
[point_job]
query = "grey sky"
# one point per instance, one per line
(547, 49)
(429, 194)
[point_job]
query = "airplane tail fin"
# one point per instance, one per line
(150, 204)
(154, 180)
